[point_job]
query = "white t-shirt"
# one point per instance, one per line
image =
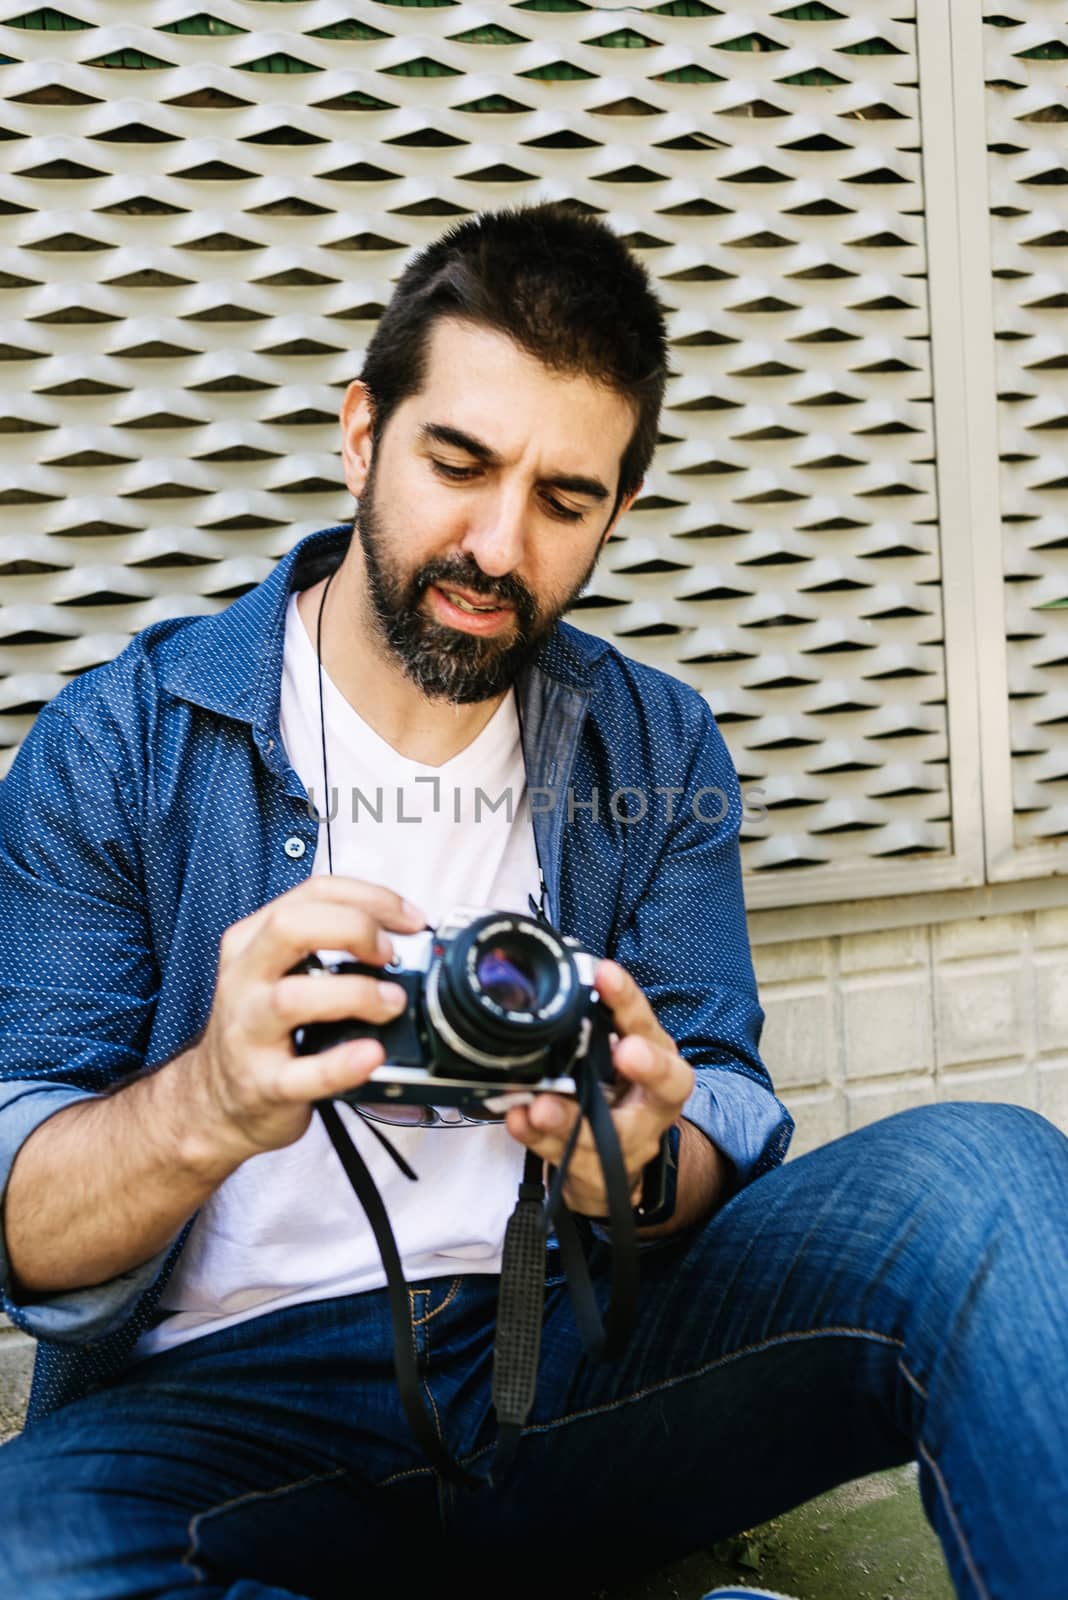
(286, 1226)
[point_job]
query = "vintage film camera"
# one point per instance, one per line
(500, 1007)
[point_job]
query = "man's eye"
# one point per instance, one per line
(454, 474)
(565, 513)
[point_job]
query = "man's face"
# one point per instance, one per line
(491, 489)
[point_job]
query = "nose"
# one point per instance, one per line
(497, 532)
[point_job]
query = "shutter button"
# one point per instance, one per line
(294, 847)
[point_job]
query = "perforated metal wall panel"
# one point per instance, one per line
(201, 216)
(1026, 48)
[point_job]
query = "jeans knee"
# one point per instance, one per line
(980, 1159)
(970, 1135)
(980, 1241)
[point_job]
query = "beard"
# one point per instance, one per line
(446, 663)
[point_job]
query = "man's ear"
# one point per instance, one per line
(357, 443)
(624, 506)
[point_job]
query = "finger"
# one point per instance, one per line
(342, 889)
(290, 933)
(665, 1079)
(638, 1132)
(239, 935)
(546, 1121)
(584, 1186)
(325, 997)
(630, 1009)
(386, 907)
(550, 1139)
(553, 1114)
(324, 1076)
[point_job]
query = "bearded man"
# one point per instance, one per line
(214, 1406)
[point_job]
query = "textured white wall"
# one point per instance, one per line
(198, 228)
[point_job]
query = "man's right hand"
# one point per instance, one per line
(252, 1089)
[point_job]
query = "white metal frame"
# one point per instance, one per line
(949, 50)
(962, 24)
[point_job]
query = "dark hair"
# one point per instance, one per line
(559, 283)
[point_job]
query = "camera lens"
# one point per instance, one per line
(505, 991)
(507, 975)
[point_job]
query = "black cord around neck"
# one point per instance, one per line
(322, 720)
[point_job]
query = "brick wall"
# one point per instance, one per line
(860, 1025)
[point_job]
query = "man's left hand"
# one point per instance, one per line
(658, 1083)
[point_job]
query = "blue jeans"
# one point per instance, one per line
(900, 1293)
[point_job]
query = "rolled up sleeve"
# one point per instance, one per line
(78, 978)
(747, 1122)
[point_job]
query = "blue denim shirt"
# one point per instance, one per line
(152, 805)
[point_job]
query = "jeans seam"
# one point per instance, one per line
(700, 1372)
(965, 1549)
(193, 1530)
(417, 1323)
(454, 1288)
(907, 1375)
(426, 1379)
(409, 1472)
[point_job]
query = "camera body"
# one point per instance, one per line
(500, 1007)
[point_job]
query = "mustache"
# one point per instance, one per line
(467, 575)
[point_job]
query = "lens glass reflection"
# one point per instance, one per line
(508, 978)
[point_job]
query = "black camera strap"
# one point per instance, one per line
(601, 1339)
(520, 1308)
(522, 1294)
(405, 1358)
(520, 1304)
(517, 1340)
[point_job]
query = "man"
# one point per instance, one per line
(214, 1406)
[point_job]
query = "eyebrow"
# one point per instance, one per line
(569, 482)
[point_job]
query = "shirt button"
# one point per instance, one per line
(294, 847)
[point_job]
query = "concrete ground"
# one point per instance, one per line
(867, 1540)
(16, 1364)
(863, 1541)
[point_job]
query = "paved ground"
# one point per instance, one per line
(864, 1541)
(867, 1540)
(16, 1360)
